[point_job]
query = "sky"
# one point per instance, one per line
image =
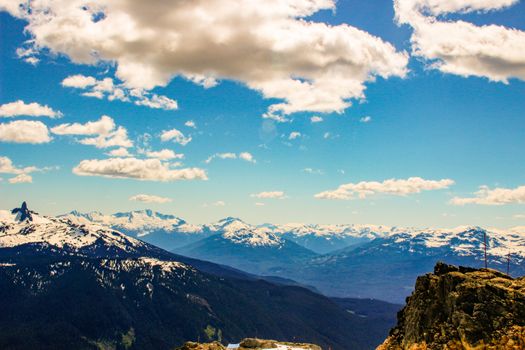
(405, 112)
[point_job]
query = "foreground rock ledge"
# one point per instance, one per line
(461, 308)
(250, 344)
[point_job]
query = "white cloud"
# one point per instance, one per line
(313, 171)
(7, 167)
(316, 119)
(22, 178)
(496, 196)
(176, 136)
(104, 131)
(519, 216)
(103, 126)
(117, 138)
(396, 187)
(276, 49)
(366, 119)
(293, 135)
(269, 195)
(164, 154)
(219, 204)
(79, 81)
(462, 48)
(33, 109)
(119, 152)
(259, 204)
(229, 155)
(106, 88)
(191, 124)
(247, 157)
(24, 131)
(147, 198)
(138, 169)
(22, 174)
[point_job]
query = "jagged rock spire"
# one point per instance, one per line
(22, 213)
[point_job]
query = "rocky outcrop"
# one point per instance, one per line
(461, 308)
(251, 344)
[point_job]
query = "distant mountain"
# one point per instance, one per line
(66, 285)
(250, 249)
(386, 268)
(324, 239)
(165, 231)
(170, 232)
(363, 261)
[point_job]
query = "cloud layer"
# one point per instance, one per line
(310, 66)
(396, 187)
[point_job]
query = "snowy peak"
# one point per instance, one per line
(141, 222)
(462, 241)
(253, 237)
(65, 236)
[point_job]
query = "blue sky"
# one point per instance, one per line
(431, 123)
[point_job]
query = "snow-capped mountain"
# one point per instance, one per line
(170, 232)
(386, 267)
(251, 249)
(323, 239)
(165, 231)
(22, 230)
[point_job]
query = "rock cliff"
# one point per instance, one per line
(461, 308)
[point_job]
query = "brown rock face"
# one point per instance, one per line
(461, 308)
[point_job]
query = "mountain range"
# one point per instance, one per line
(66, 284)
(362, 261)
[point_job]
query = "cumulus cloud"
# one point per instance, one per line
(396, 187)
(164, 154)
(246, 156)
(269, 195)
(104, 131)
(176, 136)
(7, 167)
(24, 131)
(294, 135)
(22, 173)
(33, 109)
(366, 119)
(138, 169)
(107, 88)
(316, 119)
(148, 198)
(496, 196)
(462, 48)
(22, 178)
(119, 152)
(274, 49)
(79, 81)
(102, 126)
